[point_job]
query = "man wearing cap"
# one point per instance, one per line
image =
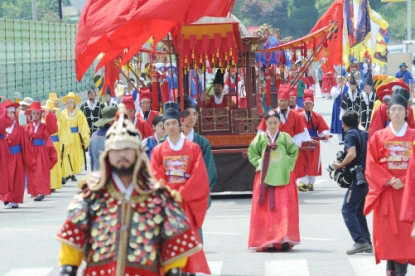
(132, 91)
(59, 139)
(188, 120)
(80, 134)
(309, 161)
(366, 102)
(404, 74)
(97, 142)
(9, 189)
(124, 222)
(179, 163)
(338, 93)
(151, 142)
(293, 100)
(389, 153)
(143, 127)
(219, 99)
(44, 156)
(145, 105)
(92, 109)
(109, 101)
(351, 100)
(380, 117)
(24, 119)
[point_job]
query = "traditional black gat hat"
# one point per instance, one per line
(218, 77)
(398, 100)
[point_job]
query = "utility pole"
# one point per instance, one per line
(409, 19)
(60, 9)
(34, 11)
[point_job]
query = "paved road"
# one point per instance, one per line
(27, 247)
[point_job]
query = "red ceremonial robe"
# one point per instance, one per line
(408, 202)
(224, 102)
(297, 109)
(18, 162)
(150, 117)
(309, 161)
(380, 118)
(144, 128)
(169, 164)
(388, 157)
(5, 122)
(44, 159)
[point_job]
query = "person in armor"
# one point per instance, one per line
(124, 222)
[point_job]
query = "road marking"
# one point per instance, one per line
(222, 233)
(215, 268)
(41, 271)
(316, 239)
(62, 219)
(225, 209)
(298, 267)
(366, 266)
(20, 229)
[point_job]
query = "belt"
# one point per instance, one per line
(15, 149)
(74, 130)
(54, 138)
(1, 136)
(38, 142)
(178, 173)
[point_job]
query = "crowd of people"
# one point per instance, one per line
(149, 189)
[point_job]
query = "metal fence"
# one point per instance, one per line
(37, 58)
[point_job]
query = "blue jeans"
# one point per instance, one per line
(352, 210)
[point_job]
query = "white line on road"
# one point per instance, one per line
(215, 268)
(222, 233)
(316, 239)
(366, 266)
(42, 271)
(298, 267)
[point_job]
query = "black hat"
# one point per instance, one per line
(188, 103)
(400, 91)
(398, 99)
(171, 113)
(369, 80)
(218, 78)
(108, 91)
(170, 104)
(352, 79)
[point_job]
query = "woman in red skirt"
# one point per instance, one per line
(274, 216)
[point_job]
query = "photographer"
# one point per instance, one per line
(355, 142)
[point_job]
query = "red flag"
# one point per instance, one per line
(333, 53)
(112, 26)
(110, 77)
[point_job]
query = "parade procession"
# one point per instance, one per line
(195, 143)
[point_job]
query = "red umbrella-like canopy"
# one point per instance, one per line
(111, 26)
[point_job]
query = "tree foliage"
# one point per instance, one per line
(22, 9)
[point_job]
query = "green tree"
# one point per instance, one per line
(22, 9)
(252, 9)
(303, 17)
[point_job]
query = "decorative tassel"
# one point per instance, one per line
(268, 87)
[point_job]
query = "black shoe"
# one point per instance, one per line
(6, 203)
(40, 197)
(63, 181)
(370, 250)
(341, 143)
(285, 246)
(73, 178)
(359, 248)
(52, 190)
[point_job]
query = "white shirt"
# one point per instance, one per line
(179, 145)
(220, 99)
(91, 105)
(126, 191)
(401, 132)
(190, 136)
(9, 130)
(36, 126)
(272, 137)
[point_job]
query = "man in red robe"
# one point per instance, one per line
(380, 118)
(142, 126)
(145, 103)
(408, 206)
(219, 99)
(4, 150)
(43, 152)
(293, 101)
(179, 163)
(386, 171)
(18, 161)
(309, 161)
